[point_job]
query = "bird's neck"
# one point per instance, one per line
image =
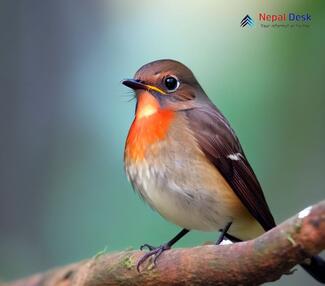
(150, 125)
(147, 105)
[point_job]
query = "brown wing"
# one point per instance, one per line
(221, 146)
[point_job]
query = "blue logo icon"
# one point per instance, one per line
(247, 20)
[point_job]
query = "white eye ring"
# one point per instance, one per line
(171, 83)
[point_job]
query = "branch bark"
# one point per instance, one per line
(261, 260)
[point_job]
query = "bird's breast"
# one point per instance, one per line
(145, 132)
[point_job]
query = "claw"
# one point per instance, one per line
(160, 251)
(154, 251)
(150, 247)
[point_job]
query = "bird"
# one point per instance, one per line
(184, 159)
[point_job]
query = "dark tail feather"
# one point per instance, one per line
(315, 268)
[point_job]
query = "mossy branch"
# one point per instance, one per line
(254, 262)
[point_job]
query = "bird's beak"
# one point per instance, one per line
(134, 84)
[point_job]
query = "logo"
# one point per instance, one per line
(247, 20)
(287, 20)
(284, 17)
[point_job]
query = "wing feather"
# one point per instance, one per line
(221, 146)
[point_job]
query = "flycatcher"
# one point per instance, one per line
(186, 162)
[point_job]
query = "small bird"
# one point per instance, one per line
(186, 162)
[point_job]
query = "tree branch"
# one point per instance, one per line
(263, 259)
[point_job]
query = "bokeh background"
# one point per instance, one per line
(64, 116)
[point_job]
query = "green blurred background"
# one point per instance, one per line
(64, 116)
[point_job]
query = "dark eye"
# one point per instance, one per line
(171, 83)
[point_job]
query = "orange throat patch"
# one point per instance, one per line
(150, 125)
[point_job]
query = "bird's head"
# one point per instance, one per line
(164, 84)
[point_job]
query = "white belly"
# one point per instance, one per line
(195, 203)
(181, 209)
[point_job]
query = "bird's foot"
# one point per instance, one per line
(153, 251)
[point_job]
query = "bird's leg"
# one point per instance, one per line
(223, 233)
(157, 251)
(233, 239)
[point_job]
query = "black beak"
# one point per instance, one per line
(134, 84)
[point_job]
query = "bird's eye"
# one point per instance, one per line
(171, 83)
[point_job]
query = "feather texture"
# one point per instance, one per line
(221, 146)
